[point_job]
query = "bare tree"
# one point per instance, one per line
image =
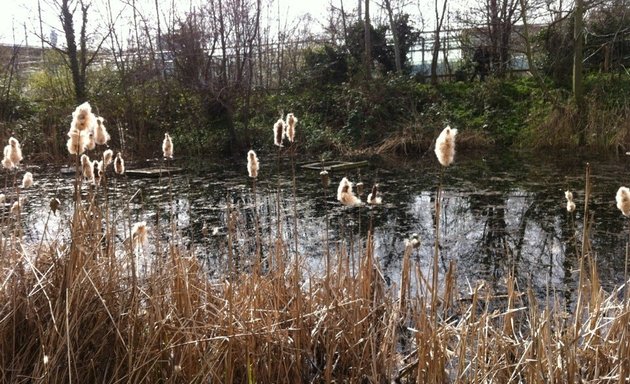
(368, 42)
(439, 20)
(76, 54)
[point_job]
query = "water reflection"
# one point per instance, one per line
(499, 213)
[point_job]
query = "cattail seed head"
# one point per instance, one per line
(570, 204)
(623, 200)
(83, 118)
(167, 146)
(101, 136)
(413, 241)
(17, 206)
(54, 204)
(15, 153)
(108, 156)
(325, 178)
(373, 198)
(445, 146)
(87, 168)
(2, 198)
(140, 233)
(291, 122)
(278, 132)
(359, 189)
(345, 194)
(119, 164)
(77, 141)
(27, 180)
(7, 163)
(97, 169)
(252, 164)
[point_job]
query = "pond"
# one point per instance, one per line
(499, 212)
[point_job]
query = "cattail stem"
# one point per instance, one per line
(258, 261)
(436, 248)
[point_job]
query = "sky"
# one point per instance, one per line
(19, 18)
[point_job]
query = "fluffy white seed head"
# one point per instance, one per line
(101, 137)
(15, 152)
(27, 180)
(623, 200)
(252, 164)
(87, 168)
(570, 204)
(119, 164)
(82, 118)
(345, 195)
(445, 146)
(167, 146)
(140, 233)
(78, 141)
(278, 132)
(108, 156)
(373, 198)
(291, 122)
(7, 163)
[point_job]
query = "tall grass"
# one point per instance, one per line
(79, 312)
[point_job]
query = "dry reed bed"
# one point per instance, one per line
(77, 313)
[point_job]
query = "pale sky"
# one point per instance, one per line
(18, 14)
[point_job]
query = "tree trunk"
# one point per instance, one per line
(368, 42)
(439, 20)
(392, 26)
(578, 55)
(578, 52)
(73, 56)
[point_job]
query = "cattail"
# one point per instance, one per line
(87, 168)
(97, 169)
(445, 146)
(623, 200)
(373, 197)
(82, 118)
(359, 189)
(27, 180)
(119, 164)
(252, 164)
(413, 241)
(167, 146)
(15, 151)
(90, 143)
(101, 136)
(278, 132)
(345, 194)
(2, 198)
(108, 156)
(325, 178)
(7, 163)
(291, 122)
(17, 206)
(140, 233)
(570, 204)
(54, 204)
(78, 141)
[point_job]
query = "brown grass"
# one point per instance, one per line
(77, 313)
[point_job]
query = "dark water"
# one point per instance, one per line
(499, 212)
